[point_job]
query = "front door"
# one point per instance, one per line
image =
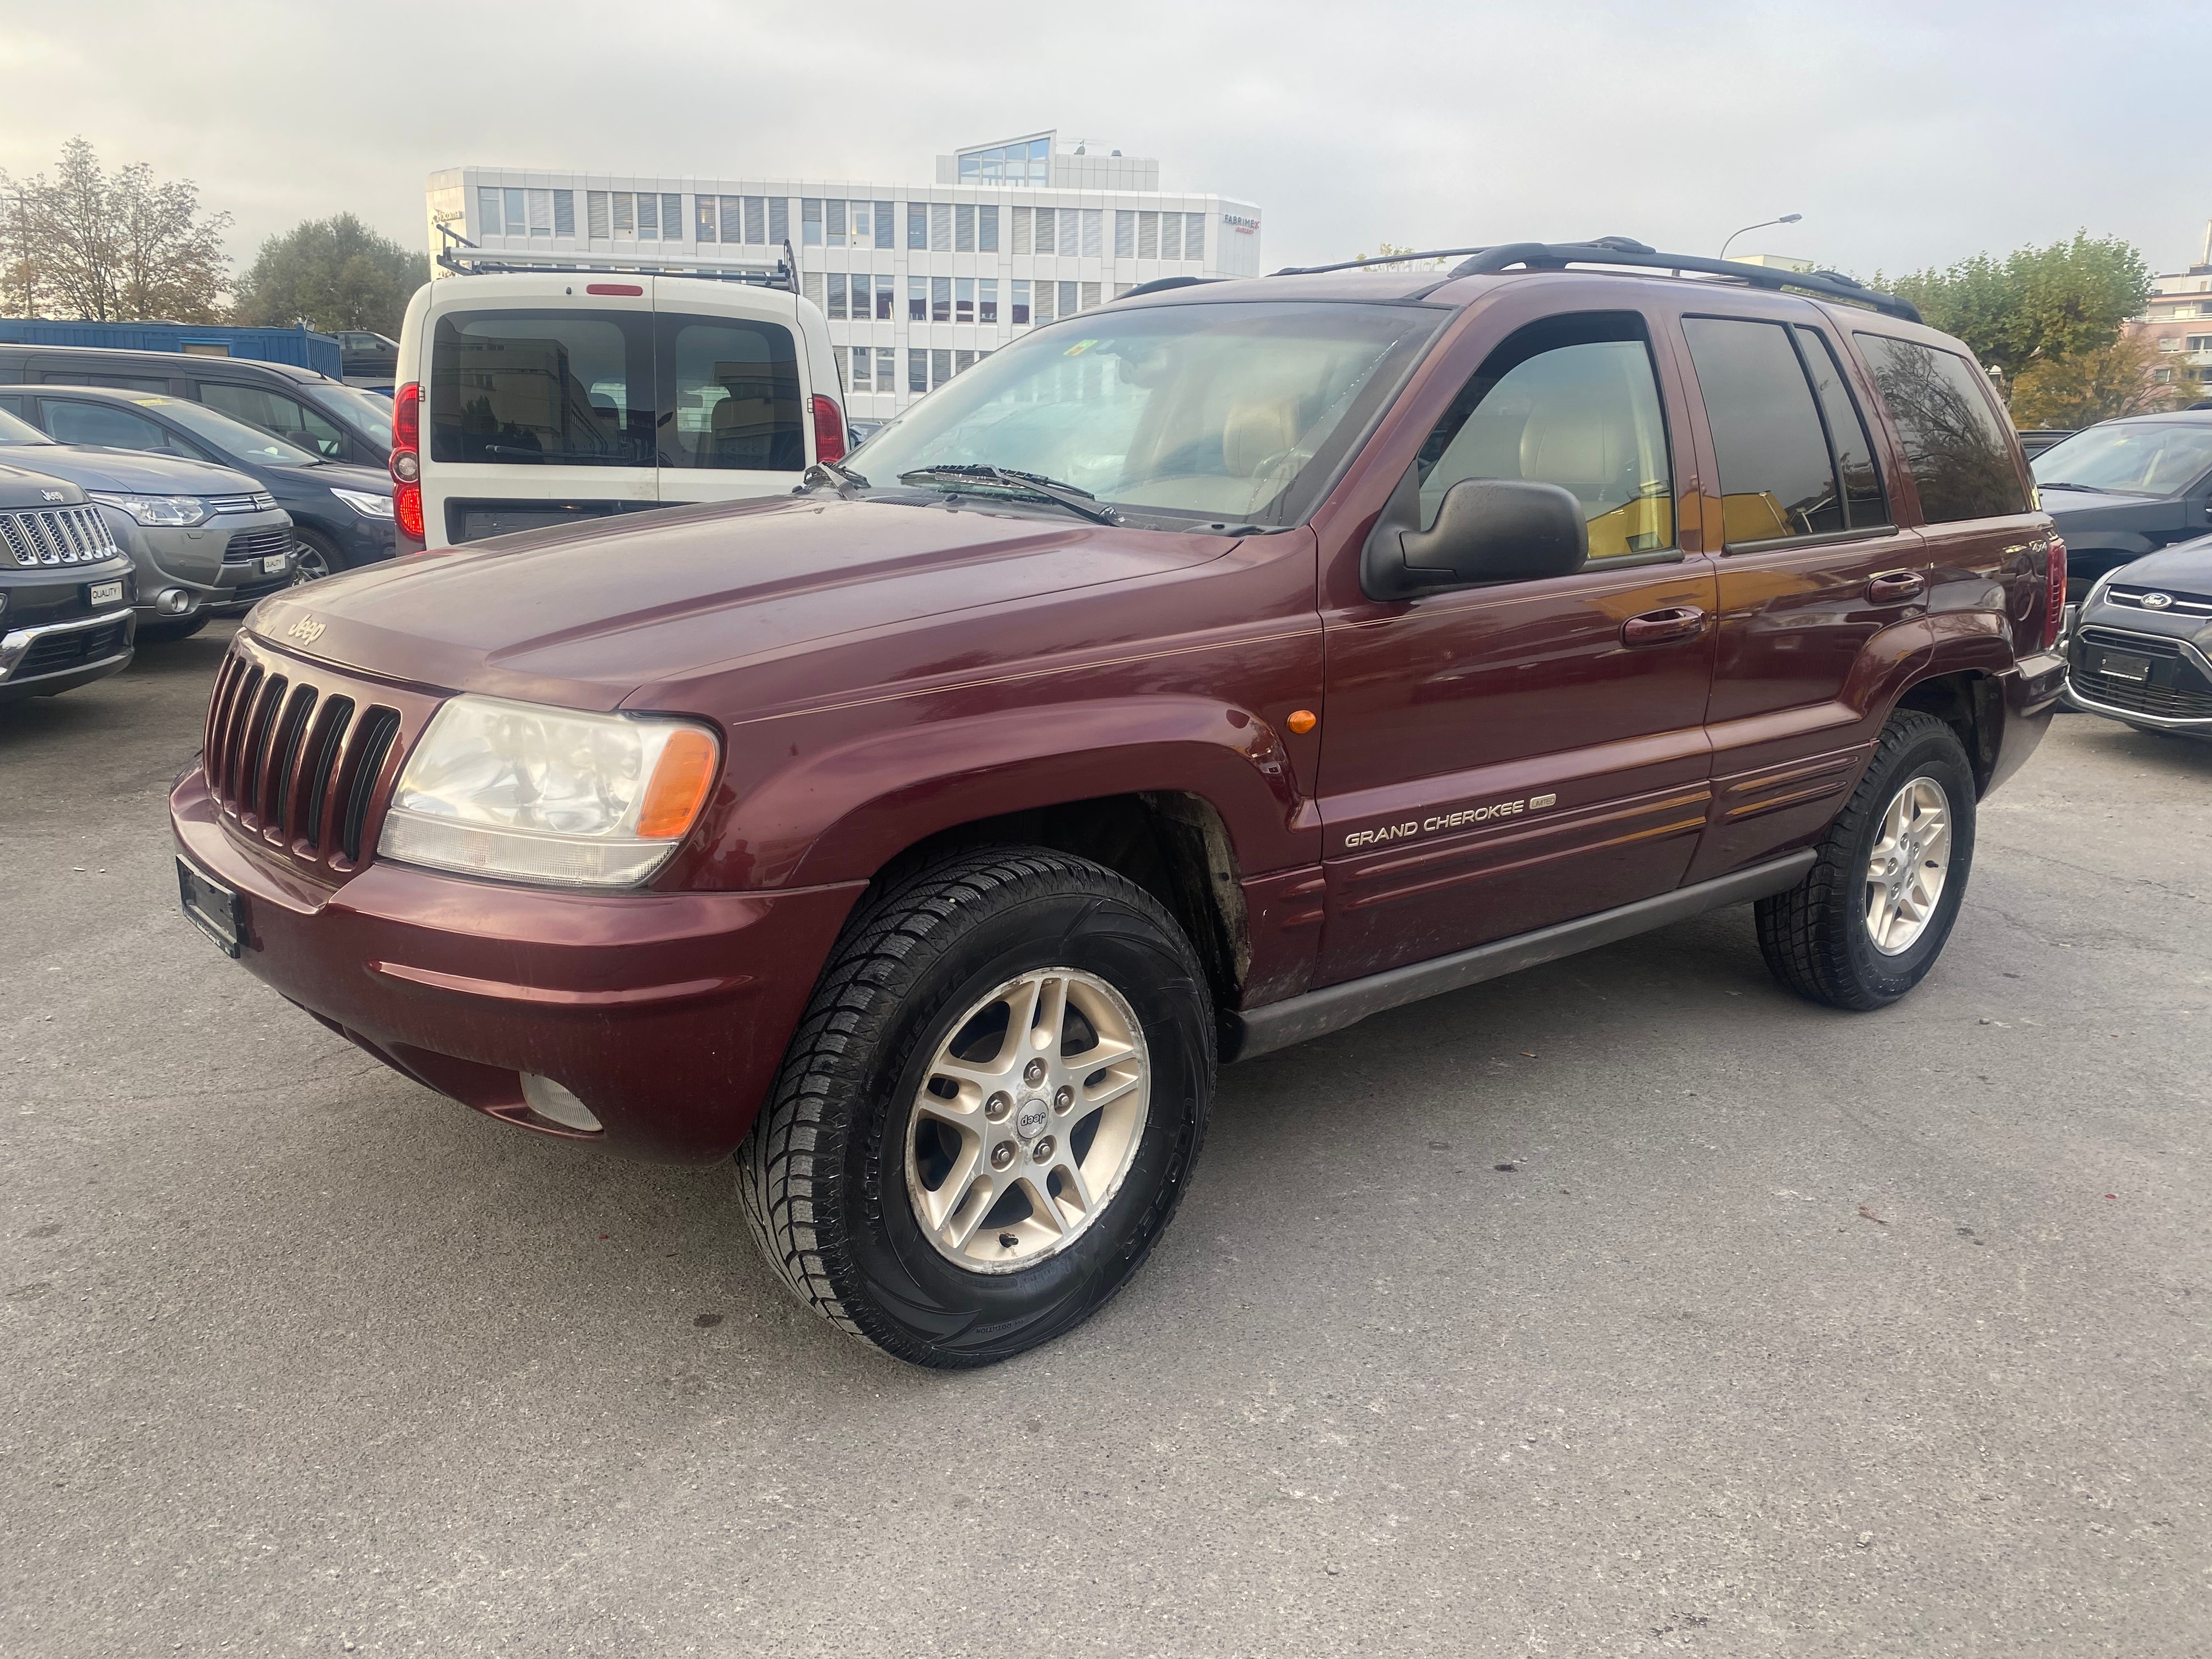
(1498, 759)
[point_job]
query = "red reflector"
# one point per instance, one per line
(407, 507)
(629, 290)
(829, 430)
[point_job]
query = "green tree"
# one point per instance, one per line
(2101, 384)
(2035, 305)
(110, 246)
(331, 274)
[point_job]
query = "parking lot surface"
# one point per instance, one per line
(1630, 1305)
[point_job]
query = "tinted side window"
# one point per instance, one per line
(1777, 478)
(1953, 447)
(72, 423)
(1569, 401)
(735, 388)
(273, 412)
(1847, 432)
(526, 388)
(121, 382)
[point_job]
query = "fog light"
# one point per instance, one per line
(173, 601)
(556, 1104)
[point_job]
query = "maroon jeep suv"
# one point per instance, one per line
(1192, 677)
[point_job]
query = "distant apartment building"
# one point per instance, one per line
(918, 281)
(2179, 318)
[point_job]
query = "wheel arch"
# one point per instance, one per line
(1971, 702)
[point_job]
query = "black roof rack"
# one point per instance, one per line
(779, 275)
(1161, 284)
(1625, 250)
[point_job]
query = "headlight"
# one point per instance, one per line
(533, 793)
(368, 506)
(156, 510)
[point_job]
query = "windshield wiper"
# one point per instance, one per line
(2057, 484)
(1080, 502)
(844, 473)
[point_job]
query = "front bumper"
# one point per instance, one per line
(52, 637)
(2174, 694)
(216, 565)
(666, 1013)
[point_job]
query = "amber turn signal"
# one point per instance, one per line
(677, 788)
(1302, 720)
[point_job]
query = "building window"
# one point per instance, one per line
(812, 283)
(1090, 296)
(987, 301)
(705, 219)
(518, 216)
(1069, 303)
(649, 218)
(1194, 236)
(1018, 305)
(962, 361)
(963, 300)
(624, 225)
(1148, 235)
(731, 219)
(986, 229)
(940, 367)
(940, 227)
(887, 218)
(1171, 236)
(884, 299)
(940, 299)
(964, 228)
(778, 221)
(1025, 230)
(1125, 234)
(917, 225)
(756, 219)
(671, 217)
(1027, 163)
(886, 368)
(1093, 220)
(810, 221)
(1044, 295)
(835, 308)
(2197, 343)
(917, 298)
(1046, 218)
(917, 371)
(564, 213)
(1119, 288)
(595, 215)
(488, 213)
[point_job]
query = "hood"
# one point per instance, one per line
(2185, 567)
(333, 475)
(132, 471)
(20, 487)
(585, 615)
(2081, 510)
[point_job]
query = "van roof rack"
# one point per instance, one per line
(780, 275)
(1625, 251)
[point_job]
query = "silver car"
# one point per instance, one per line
(206, 541)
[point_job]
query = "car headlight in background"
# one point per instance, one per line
(156, 511)
(534, 794)
(361, 502)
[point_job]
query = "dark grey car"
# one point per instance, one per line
(2123, 489)
(2141, 649)
(64, 588)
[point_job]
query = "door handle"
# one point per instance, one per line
(1680, 622)
(1892, 585)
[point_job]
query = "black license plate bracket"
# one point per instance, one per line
(214, 908)
(2121, 665)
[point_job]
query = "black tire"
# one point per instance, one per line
(165, 633)
(314, 555)
(1814, 937)
(823, 1175)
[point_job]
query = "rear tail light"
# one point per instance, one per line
(407, 463)
(2054, 598)
(829, 430)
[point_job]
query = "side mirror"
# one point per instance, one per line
(1487, 530)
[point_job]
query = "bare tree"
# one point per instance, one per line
(112, 247)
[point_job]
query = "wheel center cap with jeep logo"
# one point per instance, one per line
(1030, 1119)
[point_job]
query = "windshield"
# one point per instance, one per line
(2133, 460)
(1236, 411)
(234, 438)
(364, 411)
(14, 430)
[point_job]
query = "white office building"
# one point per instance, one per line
(917, 280)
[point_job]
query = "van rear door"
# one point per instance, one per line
(735, 389)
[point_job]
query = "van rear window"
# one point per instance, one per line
(614, 388)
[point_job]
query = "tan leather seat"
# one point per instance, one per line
(1255, 431)
(1582, 438)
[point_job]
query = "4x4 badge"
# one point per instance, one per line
(2157, 601)
(307, 629)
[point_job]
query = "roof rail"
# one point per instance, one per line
(779, 275)
(1161, 284)
(1625, 250)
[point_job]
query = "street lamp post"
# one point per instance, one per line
(1786, 219)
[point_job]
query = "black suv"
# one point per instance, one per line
(2141, 652)
(328, 418)
(2123, 489)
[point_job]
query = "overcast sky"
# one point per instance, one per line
(1906, 135)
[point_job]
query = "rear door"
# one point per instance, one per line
(734, 392)
(1818, 582)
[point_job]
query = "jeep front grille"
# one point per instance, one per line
(57, 535)
(298, 758)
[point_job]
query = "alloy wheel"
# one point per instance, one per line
(1906, 871)
(1027, 1119)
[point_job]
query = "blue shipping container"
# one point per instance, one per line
(301, 347)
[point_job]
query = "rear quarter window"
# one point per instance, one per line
(1947, 424)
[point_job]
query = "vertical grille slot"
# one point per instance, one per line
(380, 726)
(218, 700)
(281, 814)
(253, 757)
(321, 760)
(242, 704)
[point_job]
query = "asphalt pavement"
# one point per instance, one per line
(1628, 1306)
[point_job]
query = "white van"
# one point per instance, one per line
(528, 398)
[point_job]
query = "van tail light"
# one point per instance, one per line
(2054, 599)
(407, 464)
(829, 430)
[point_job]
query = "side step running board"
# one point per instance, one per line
(1263, 1030)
